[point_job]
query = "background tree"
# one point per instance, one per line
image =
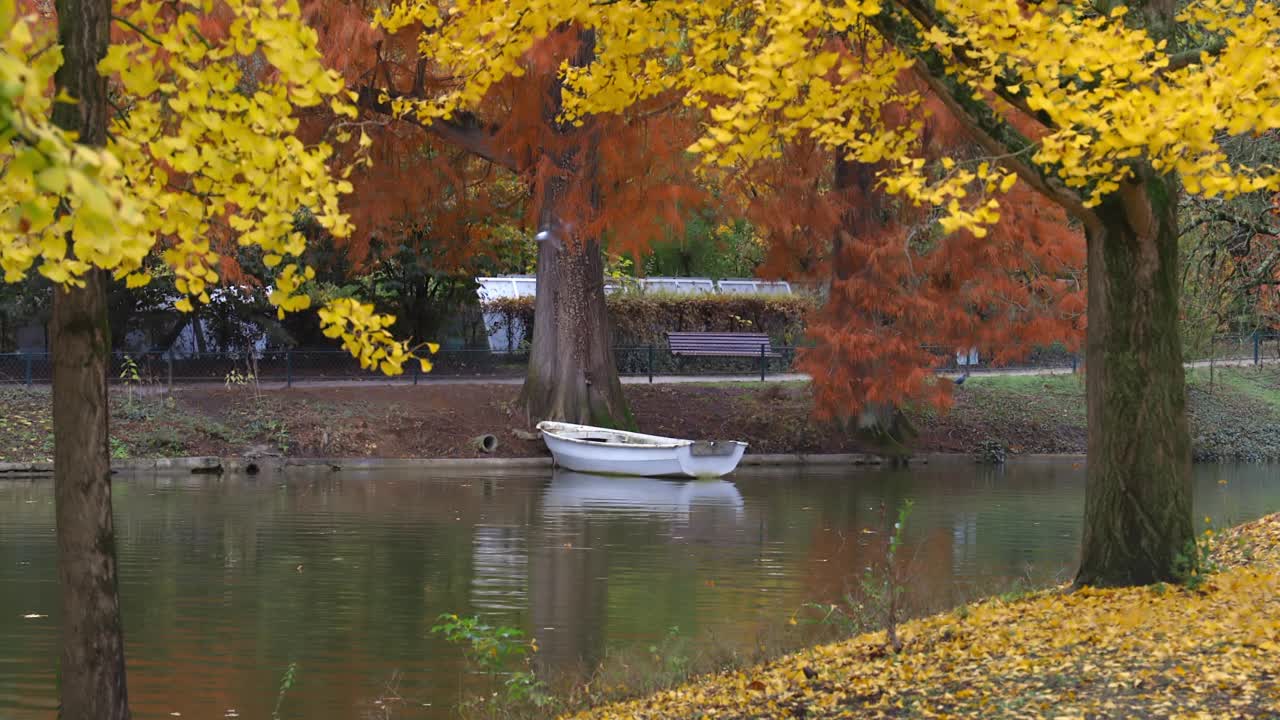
(596, 183)
(1129, 103)
(713, 244)
(1231, 255)
(902, 295)
(177, 144)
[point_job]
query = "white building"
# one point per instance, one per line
(506, 339)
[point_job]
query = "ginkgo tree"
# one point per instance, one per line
(176, 138)
(1128, 103)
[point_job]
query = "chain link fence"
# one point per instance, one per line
(298, 366)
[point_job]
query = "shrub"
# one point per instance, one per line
(645, 318)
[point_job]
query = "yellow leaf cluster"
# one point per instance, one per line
(1112, 93)
(767, 71)
(1134, 652)
(365, 334)
(60, 203)
(204, 144)
(210, 148)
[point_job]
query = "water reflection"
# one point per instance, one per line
(500, 567)
(226, 581)
(583, 492)
(587, 555)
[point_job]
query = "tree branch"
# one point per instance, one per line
(927, 19)
(991, 131)
(129, 24)
(1222, 216)
(465, 131)
(1186, 58)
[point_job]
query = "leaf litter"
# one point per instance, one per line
(1160, 651)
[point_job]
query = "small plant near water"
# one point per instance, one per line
(286, 683)
(990, 452)
(886, 590)
(881, 588)
(503, 654)
(130, 377)
(119, 450)
(1195, 563)
(663, 663)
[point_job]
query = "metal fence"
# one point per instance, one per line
(1252, 349)
(296, 366)
(285, 366)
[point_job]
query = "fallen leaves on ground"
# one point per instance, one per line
(1257, 542)
(1158, 651)
(26, 427)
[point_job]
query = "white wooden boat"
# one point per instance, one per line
(617, 452)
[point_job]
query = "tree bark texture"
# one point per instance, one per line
(572, 376)
(1138, 517)
(92, 678)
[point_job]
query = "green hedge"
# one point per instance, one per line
(646, 318)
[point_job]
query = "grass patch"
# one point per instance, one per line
(1235, 417)
(740, 384)
(1047, 398)
(1260, 384)
(1022, 413)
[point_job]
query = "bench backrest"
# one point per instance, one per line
(712, 343)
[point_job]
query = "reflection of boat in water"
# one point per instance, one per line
(617, 452)
(574, 491)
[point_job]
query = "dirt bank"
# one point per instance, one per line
(1232, 419)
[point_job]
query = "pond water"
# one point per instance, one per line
(225, 582)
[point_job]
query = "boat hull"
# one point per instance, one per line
(613, 452)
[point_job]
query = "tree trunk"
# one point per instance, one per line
(92, 673)
(1138, 520)
(572, 376)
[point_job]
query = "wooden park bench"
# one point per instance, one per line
(722, 344)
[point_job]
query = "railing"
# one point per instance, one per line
(296, 366)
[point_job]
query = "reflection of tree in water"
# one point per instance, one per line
(596, 528)
(568, 593)
(215, 605)
(973, 530)
(499, 568)
(964, 541)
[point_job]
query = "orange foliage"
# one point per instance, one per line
(902, 297)
(895, 284)
(621, 180)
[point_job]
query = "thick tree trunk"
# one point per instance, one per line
(573, 376)
(93, 676)
(92, 672)
(1138, 519)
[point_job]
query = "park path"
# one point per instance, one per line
(678, 379)
(403, 381)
